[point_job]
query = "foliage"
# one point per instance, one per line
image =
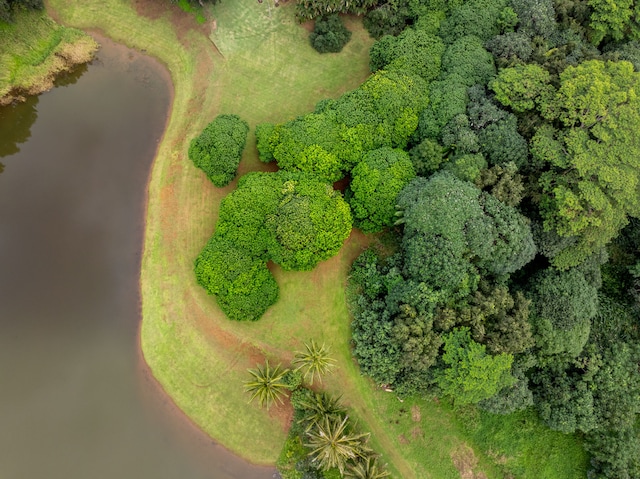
(382, 112)
(615, 21)
(218, 149)
(7, 8)
(311, 9)
(368, 468)
(503, 182)
(470, 374)
(563, 304)
(376, 182)
(267, 384)
(427, 157)
(522, 87)
(309, 224)
(291, 219)
(468, 59)
(413, 51)
(317, 406)
(315, 361)
(474, 17)
(332, 445)
(597, 105)
(329, 34)
(510, 399)
(510, 48)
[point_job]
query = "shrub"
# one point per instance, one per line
(218, 149)
(329, 34)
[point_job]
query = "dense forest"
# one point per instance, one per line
(494, 150)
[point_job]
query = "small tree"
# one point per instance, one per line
(218, 149)
(333, 446)
(366, 469)
(329, 34)
(314, 361)
(267, 384)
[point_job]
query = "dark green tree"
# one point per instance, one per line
(329, 34)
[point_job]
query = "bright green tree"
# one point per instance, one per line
(218, 149)
(470, 374)
(375, 184)
(594, 181)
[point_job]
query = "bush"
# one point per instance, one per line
(218, 149)
(329, 34)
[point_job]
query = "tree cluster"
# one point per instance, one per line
(291, 219)
(513, 280)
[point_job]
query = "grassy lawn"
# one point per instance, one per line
(253, 60)
(34, 48)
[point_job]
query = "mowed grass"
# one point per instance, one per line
(33, 49)
(256, 63)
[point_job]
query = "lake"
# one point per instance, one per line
(76, 400)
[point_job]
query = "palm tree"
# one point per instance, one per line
(366, 469)
(333, 446)
(315, 360)
(267, 384)
(319, 406)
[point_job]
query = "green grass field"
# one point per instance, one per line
(253, 60)
(33, 49)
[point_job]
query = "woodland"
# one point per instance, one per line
(493, 153)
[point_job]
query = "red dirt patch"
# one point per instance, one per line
(182, 21)
(415, 413)
(403, 440)
(417, 433)
(465, 461)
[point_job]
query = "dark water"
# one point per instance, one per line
(74, 401)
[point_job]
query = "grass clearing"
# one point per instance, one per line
(34, 49)
(265, 71)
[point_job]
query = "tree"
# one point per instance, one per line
(413, 51)
(309, 225)
(510, 49)
(218, 149)
(522, 87)
(470, 374)
(563, 304)
(376, 182)
(468, 59)
(366, 469)
(616, 21)
(315, 361)
(267, 384)
(503, 182)
(591, 187)
(310, 9)
(243, 285)
(473, 17)
(318, 406)
(333, 445)
(329, 34)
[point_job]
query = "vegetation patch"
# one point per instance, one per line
(34, 50)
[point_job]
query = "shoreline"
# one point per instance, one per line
(64, 58)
